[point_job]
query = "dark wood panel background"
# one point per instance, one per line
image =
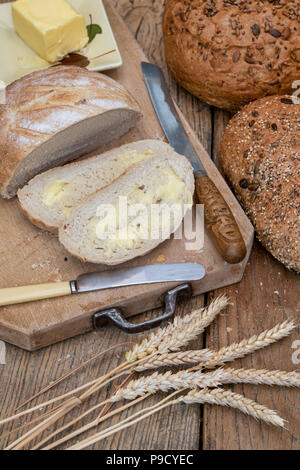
(268, 294)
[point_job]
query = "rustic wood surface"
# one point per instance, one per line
(268, 294)
(31, 256)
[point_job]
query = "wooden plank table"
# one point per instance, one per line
(268, 294)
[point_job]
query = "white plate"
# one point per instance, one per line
(17, 59)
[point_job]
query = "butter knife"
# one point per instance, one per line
(176, 272)
(219, 219)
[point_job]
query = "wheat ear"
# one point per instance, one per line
(209, 358)
(260, 377)
(193, 379)
(178, 333)
(164, 382)
(222, 397)
(248, 346)
(179, 358)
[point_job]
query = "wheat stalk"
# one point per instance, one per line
(68, 374)
(214, 397)
(178, 333)
(209, 358)
(222, 397)
(221, 376)
(161, 349)
(193, 379)
(162, 340)
(248, 346)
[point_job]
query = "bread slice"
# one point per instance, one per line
(48, 199)
(56, 115)
(135, 213)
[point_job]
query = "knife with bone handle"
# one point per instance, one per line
(151, 274)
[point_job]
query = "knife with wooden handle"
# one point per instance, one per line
(218, 217)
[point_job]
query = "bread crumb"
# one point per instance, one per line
(161, 259)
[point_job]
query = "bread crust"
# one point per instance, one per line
(43, 103)
(260, 155)
(228, 53)
(37, 222)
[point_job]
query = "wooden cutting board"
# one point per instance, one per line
(29, 256)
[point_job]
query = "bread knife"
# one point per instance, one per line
(218, 217)
(177, 272)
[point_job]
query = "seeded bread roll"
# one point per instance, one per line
(228, 53)
(116, 224)
(260, 154)
(56, 115)
(48, 199)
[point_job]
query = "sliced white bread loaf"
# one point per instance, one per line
(135, 213)
(56, 115)
(48, 199)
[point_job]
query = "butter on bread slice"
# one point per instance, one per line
(51, 28)
(48, 199)
(157, 193)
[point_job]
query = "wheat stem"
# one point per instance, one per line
(46, 403)
(62, 411)
(23, 440)
(104, 411)
(126, 422)
(71, 372)
(90, 425)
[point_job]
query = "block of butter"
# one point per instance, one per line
(53, 28)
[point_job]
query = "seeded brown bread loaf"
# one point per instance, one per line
(230, 52)
(55, 115)
(260, 154)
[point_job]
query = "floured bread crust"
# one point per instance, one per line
(41, 105)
